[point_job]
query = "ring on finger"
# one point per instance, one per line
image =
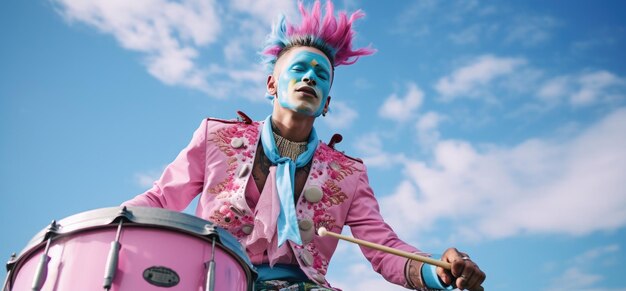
(467, 278)
(465, 258)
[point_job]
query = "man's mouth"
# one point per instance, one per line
(307, 90)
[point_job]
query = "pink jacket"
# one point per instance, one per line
(217, 164)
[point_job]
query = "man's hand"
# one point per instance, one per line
(465, 274)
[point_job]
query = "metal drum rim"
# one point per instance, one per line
(141, 216)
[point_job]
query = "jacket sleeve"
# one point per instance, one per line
(366, 223)
(182, 179)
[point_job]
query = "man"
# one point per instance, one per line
(298, 184)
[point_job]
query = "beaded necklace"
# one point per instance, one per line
(288, 148)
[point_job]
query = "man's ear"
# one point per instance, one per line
(327, 104)
(271, 85)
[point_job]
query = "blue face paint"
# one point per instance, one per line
(294, 93)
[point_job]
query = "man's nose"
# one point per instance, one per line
(308, 79)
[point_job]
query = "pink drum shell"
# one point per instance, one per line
(78, 259)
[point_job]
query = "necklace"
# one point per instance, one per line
(288, 148)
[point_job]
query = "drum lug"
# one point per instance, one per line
(210, 232)
(123, 214)
(209, 227)
(42, 268)
(11, 262)
(113, 257)
(10, 266)
(52, 230)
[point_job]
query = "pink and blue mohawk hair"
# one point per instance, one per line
(333, 36)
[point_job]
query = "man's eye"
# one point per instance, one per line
(297, 68)
(323, 75)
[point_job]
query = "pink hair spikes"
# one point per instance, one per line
(333, 35)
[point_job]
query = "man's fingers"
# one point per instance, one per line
(471, 278)
(463, 272)
(458, 266)
(472, 283)
(463, 281)
(477, 279)
(444, 275)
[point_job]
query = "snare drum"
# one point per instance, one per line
(131, 248)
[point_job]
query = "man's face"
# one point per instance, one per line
(303, 76)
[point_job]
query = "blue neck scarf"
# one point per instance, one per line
(287, 225)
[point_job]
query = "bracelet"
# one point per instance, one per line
(409, 279)
(407, 276)
(431, 279)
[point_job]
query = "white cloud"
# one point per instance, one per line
(171, 35)
(473, 34)
(554, 89)
(468, 35)
(369, 144)
(605, 38)
(371, 281)
(581, 271)
(362, 83)
(233, 51)
(593, 86)
(575, 279)
(402, 108)
(168, 33)
(538, 186)
(583, 89)
(470, 80)
(358, 274)
(595, 254)
(251, 29)
(472, 22)
(340, 116)
(530, 30)
(370, 148)
(265, 11)
(404, 23)
(145, 179)
(427, 128)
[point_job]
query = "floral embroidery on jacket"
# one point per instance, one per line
(338, 165)
(323, 219)
(231, 214)
(229, 217)
(319, 263)
(223, 139)
(331, 167)
(332, 194)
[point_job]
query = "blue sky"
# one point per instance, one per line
(496, 127)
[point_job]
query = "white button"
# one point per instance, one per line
(319, 278)
(305, 224)
(335, 166)
(236, 143)
(244, 170)
(307, 236)
(247, 229)
(306, 257)
(313, 194)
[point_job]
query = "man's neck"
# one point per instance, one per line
(292, 126)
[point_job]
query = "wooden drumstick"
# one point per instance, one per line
(322, 231)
